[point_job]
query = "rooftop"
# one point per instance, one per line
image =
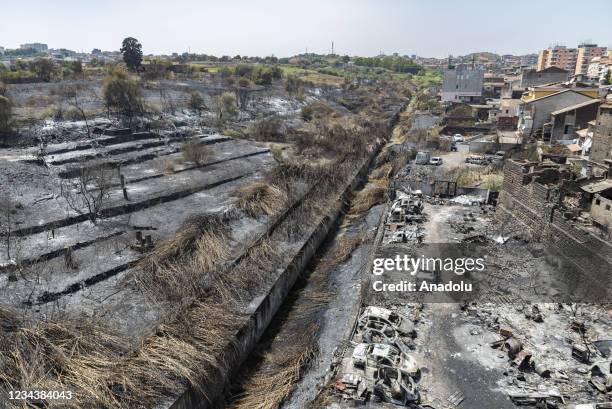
(597, 186)
(576, 106)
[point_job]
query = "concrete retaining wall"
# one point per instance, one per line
(209, 395)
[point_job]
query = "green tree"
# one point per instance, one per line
(132, 53)
(607, 80)
(44, 69)
(122, 94)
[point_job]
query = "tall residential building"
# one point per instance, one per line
(39, 47)
(529, 60)
(586, 52)
(558, 56)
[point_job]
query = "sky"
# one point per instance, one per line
(430, 28)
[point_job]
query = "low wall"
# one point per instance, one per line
(262, 310)
(489, 146)
(428, 188)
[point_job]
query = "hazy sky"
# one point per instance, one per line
(286, 27)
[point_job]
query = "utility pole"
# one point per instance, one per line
(332, 48)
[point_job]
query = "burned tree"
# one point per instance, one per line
(88, 193)
(226, 107)
(196, 102)
(6, 220)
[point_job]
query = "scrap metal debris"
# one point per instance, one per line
(377, 364)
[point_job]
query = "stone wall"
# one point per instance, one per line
(531, 199)
(602, 136)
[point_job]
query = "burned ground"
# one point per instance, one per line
(127, 231)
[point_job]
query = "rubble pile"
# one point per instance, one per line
(550, 356)
(405, 219)
(377, 364)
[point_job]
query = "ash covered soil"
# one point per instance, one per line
(163, 192)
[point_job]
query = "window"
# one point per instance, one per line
(597, 202)
(607, 207)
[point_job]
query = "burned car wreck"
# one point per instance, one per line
(377, 365)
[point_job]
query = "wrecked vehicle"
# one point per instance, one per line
(475, 160)
(393, 386)
(397, 321)
(368, 356)
(601, 376)
(384, 384)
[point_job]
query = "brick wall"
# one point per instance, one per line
(602, 136)
(525, 201)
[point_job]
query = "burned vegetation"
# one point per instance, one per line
(137, 255)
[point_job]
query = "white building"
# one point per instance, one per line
(39, 47)
(599, 67)
(462, 84)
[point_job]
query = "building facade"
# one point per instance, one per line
(534, 115)
(529, 60)
(584, 55)
(39, 47)
(532, 78)
(599, 68)
(558, 56)
(462, 84)
(602, 135)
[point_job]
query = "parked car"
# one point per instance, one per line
(422, 158)
(458, 138)
(435, 160)
(475, 160)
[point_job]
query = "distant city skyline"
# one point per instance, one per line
(284, 28)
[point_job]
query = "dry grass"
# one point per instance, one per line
(240, 280)
(103, 369)
(196, 152)
(341, 250)
(278, 373)
(271, 380)
(375, 192)
(166, 166)
(176, 269)
(261, 198)
(489, 176)
(79, 355)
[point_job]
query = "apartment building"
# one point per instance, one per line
(39, 47)
(558, 56)
(599, 67)
(584, 55)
